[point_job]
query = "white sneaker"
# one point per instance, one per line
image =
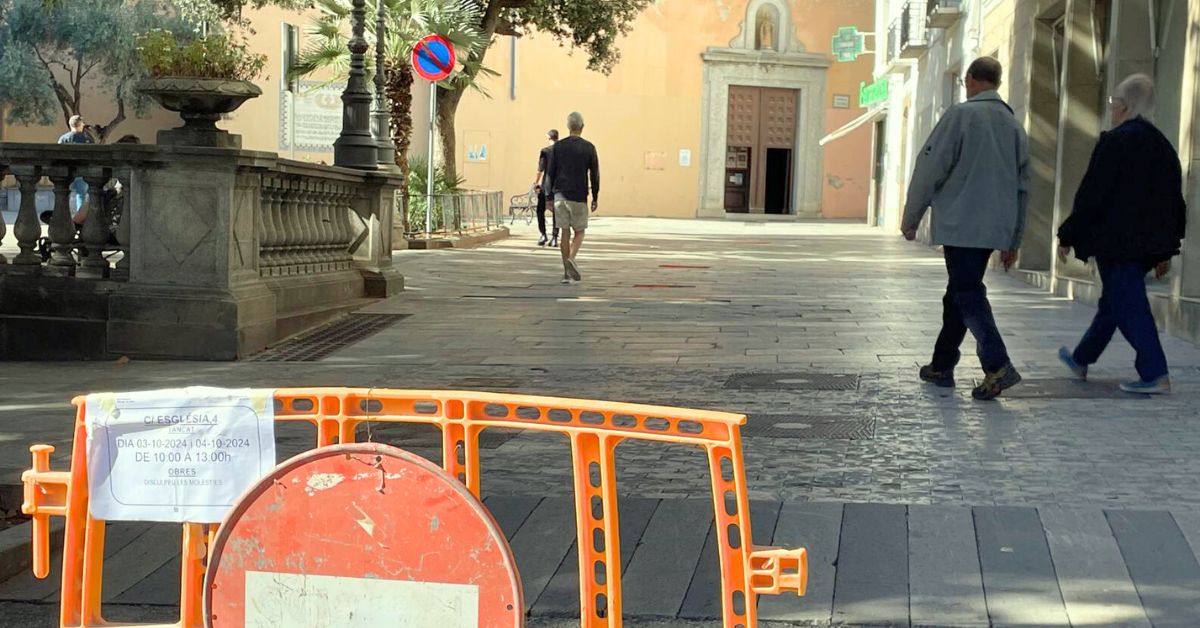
(1160, 386)
(573, 270)
(565, 280)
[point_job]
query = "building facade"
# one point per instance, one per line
(716, 108)
(1062, 60)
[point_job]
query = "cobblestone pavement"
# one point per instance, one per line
(669, 311)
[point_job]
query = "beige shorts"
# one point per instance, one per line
(571, 215)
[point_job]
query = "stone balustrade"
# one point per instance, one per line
(305, 226)
(203, 253)
(103, 238)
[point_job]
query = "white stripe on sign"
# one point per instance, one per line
(296, 600)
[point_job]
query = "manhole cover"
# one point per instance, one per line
(809, 427)
(1064, 388)
(792, 381)
(319, 344)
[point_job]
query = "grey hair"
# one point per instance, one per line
(75, 119)
(575, 122)
(1137, 92)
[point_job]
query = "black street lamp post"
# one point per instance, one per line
(356, 147)
(381, 119)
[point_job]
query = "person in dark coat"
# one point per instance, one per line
(545, 192)
(1130, 216)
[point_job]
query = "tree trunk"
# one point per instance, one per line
(398, 83)
(447, 108)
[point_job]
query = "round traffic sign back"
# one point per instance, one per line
(361, 535)
(434, 57)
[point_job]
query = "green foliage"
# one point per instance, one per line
(217, 56)
(407, 22)
(213, 11)
(49, 50)
(595, 26)
(444, 184)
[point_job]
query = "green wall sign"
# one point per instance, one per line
(874, 93)
(847, 43)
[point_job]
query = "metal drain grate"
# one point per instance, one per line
(319, 344)
(1064, 388)
(793, 381)
(809, 427)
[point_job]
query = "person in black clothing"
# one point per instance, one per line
(545, 193)
(574, 164)
(1130, 216)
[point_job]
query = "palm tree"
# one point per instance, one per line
(407, 22)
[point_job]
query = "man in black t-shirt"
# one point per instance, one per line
(545, 193)
(573, 165)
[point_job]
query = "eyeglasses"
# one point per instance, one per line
(1113, 101)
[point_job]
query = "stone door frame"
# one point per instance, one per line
(804, 72)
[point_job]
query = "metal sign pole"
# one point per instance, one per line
(429, 180)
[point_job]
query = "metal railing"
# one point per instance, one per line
(460, 212)
(914, 35)
(943, 13)
(944, 5)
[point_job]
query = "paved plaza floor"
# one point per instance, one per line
(1061, 504)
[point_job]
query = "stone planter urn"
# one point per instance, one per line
(200, 102)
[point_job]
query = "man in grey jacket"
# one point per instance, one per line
(974, 172)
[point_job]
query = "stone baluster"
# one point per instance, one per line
(342, 216)
(308, 225)
(279, 216)
(62, 228)
(324, 227)
(333, 206)
(95, 225)
(272, 228)
(27, 228)
(338, 239)
(125, 225)
(263, 219)
(290, 214)
(325, 222)
(299, 245)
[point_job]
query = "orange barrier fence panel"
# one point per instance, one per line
(593, 429)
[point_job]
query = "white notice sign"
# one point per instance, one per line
(182, 455)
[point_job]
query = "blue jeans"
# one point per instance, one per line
(80, 188)
(1124, 306)
(965, 307)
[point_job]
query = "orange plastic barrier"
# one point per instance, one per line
(594, 429)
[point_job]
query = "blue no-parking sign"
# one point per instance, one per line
(433, 58)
